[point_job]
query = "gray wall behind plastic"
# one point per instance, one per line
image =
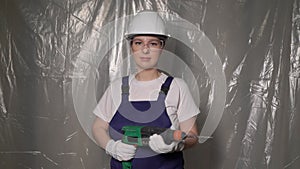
(258, 44)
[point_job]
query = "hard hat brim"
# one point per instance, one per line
(159, 36)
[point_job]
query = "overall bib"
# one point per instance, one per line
(144, 113)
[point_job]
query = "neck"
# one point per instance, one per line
(147, 75)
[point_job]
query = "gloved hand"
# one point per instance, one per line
(157, 144)
(119, 150)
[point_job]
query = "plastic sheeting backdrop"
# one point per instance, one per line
(239, 57)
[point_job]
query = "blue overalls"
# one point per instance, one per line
(144, 113)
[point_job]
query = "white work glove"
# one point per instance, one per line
(157, 144)
(119, 150)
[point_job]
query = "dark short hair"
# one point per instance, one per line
(160, 37)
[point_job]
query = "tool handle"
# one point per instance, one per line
(126, 165)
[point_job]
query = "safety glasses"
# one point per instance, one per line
(152, 44)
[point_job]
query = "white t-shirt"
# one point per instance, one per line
(179, 102)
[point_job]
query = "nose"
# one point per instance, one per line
(146, 49)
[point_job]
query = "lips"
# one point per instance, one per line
(145, 59)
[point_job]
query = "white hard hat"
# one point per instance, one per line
(146, 23)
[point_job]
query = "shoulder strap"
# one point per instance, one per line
(166, 86)
(125, 85)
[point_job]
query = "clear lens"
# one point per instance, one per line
(152, 44)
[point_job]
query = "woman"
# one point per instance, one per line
(147, 98)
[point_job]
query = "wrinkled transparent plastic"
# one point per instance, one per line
(240, 60)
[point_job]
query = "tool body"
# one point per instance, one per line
(139, 136)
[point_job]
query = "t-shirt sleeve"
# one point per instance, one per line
(108, 103)
(186, 106)
(104, 106)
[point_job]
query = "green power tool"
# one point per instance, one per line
(139, 136)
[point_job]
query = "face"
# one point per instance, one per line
(146, 51)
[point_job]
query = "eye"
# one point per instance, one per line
(137, 43)
(154, 44)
